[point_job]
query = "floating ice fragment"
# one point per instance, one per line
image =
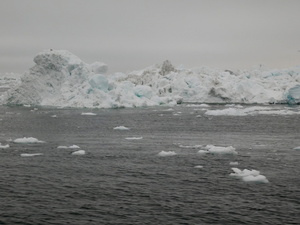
(29, 140)
(4, 146)
(89, 114)
(190, 146)
(54, 116)
(134, 138)
(167, 153)
(199, 167)
(297, 148)
(79, 152)
(249, 175)
(220, 150)
(72, 146)
(30, 154)
(121, 128)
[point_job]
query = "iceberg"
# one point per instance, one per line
(61, 79)
(66, 147)
(4, 146)
(29, 140)
(134, 138)
(121, 128)
(30, 154)
(167, 153)
(249, 175)
(218, 150)
(79, 152)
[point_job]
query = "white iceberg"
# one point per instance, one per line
(121, 128)
(68, 147)
(88, 114)
(297, 148)
(134, 138)
(167, 153)
(79, 152)
(249, 175)
(218, 150)
(4, 146)
(60, 78)
(30, 154)
(27, 140)
(198, 167)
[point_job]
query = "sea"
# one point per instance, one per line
(122, 179)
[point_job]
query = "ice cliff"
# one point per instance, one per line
(60, 78)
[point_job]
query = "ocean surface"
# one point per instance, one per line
(120, 181)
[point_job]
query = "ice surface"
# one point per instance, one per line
(121, 128)
(29, 140)
(72, 146)
(134, 138)
(79, 152)
(167, 153)
(30, 154)
(60, 78)
(4, 146)
(218, 150)
(249, 175)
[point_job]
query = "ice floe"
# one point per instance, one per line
(88, 114)
(249, 175)
(167, 153)
(27, 140)
(218, 150)
(297, 148)
(199, 167)
(4, 146)
(134, 138)
(121, 128)
(79, 152)
(30, 154)
(68, 147)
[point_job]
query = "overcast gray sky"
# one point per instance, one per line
(133, 34)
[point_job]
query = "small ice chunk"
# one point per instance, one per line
(233, 163)
(249, 175)
(72, 146)
(203, 152)
(30, 154)
(255, 179)
(199, 167)
(79, 152)
(89, 114)
(220, 150)
(134, 138)
(54, 116)
(4, 146)
(29, 140)
(190, 146)
(167, 153)
(297, 148)
(121, 128)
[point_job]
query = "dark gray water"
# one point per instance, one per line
(122, 181)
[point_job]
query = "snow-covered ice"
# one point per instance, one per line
(68, 147)
(30, 154)
(249, 175)
(61, 79)
(121, 128)
(134, 138)
(79, 152)
(167, 153)
(27, 140)
(218, 150)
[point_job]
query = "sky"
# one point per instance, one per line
(133, 34)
